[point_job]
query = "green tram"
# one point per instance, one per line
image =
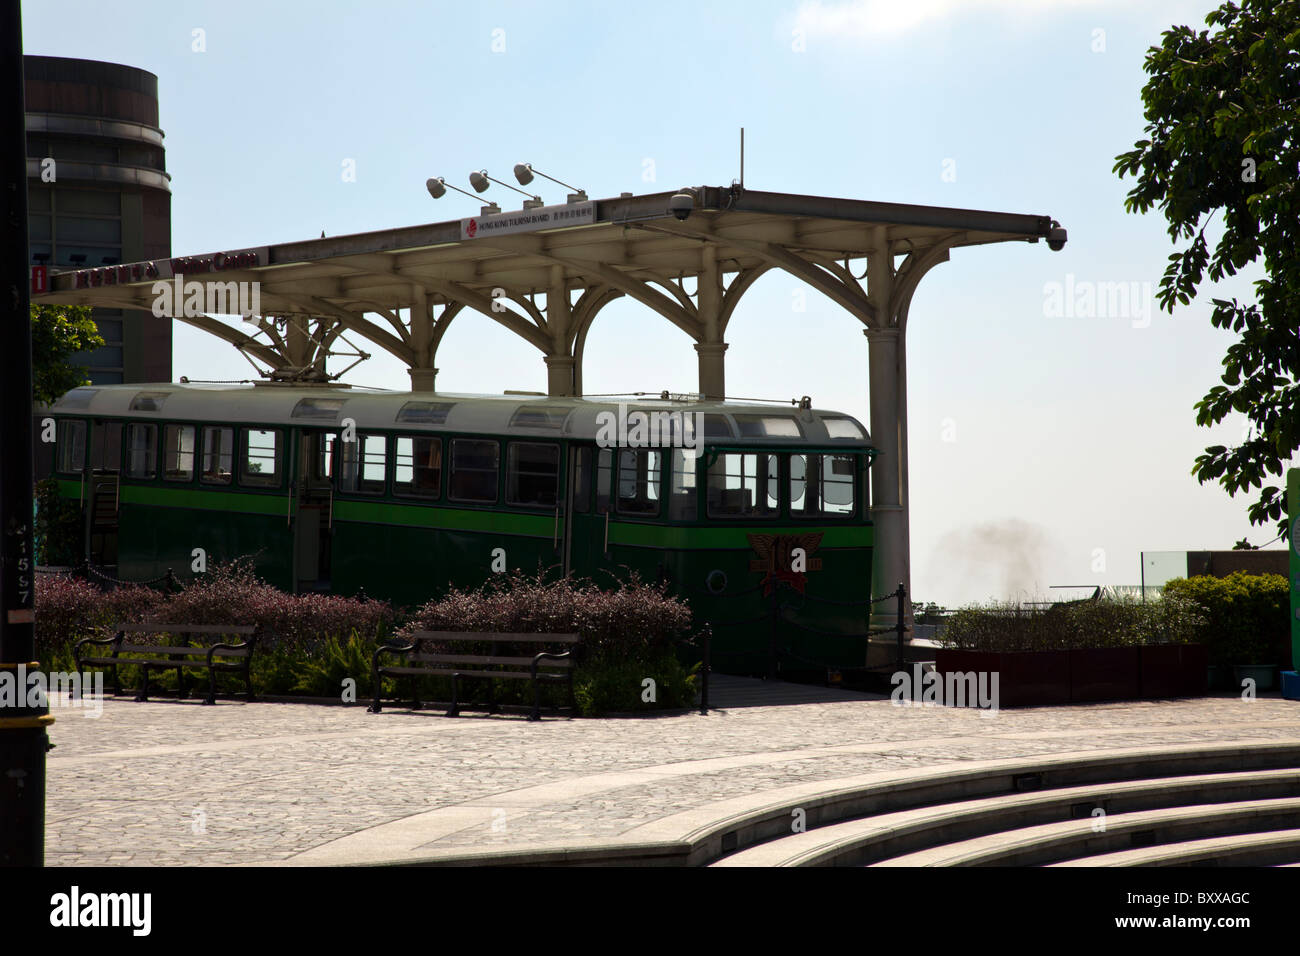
(403, 494)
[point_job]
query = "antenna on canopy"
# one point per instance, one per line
(742, 157)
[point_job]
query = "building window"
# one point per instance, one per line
(638, 481)
(141, 450)
(259, 465)
(362, 464)
(744, 485)
(106, 446)
(604, 468)
(822, 485)
(218, 455)
(532, 474)
(682, 496)
(474, 466)
(178, 453)
(70, 440)
(419, 467)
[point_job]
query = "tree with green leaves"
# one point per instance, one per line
(1223, 138)
(58, 333)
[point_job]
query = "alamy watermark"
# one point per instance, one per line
(952, 689)
(35, 689)
(191, 299)
(1085, 299)
(639, 429)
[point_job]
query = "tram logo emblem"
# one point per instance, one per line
(776, 557)
(471, 228)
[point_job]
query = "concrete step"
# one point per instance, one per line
(862, 841)
(1275, 848)
(765, 816)
(1073, 839)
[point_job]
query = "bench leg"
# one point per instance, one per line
(454, 709)
(375, 707)
(573, 701)
(180, 683)
(117, 682)
(537, 701)
(144, 683)
(415, 695)
(212, 686)
(248, 678)
(81, 677)
(493, 706)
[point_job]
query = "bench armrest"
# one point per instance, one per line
(393, 649)
(115, 640)
(548, 656)
(227, 647)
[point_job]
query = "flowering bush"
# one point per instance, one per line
(633, 620)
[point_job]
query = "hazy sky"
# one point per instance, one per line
(1047, 447)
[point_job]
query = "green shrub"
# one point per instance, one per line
(613, 684)
(1112, 622)
(1245, 616)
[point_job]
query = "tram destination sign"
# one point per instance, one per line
(528, 220)
(152, 269)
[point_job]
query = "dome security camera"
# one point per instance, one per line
(681, 205)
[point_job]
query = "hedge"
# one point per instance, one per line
(1245, 616)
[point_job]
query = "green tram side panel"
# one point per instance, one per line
(410, 553)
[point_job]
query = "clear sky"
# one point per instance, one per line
(1046, 448)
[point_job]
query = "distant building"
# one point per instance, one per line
(99, 194)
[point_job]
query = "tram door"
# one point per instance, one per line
(104, 500)
(586, 532)
(313, 512)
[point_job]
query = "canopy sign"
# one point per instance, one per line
(528, 220)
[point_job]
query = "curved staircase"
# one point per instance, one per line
(1185, 806)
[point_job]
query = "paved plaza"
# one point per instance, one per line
(171, 783)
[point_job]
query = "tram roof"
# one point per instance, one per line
(536, 416)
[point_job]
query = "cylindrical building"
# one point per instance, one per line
(99, 194)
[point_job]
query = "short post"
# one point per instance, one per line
(704, 691)
(771, 641)
(901, 593)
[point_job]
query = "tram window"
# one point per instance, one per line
(768, 426)
(638, 481)
(474, 466)
(141, 450)
(604, 467)
(106, 446)
(43, 451)
(418, 468)
(71, 446)
(745, 484)
(259, 463)
(681, 502)
(582, 481)
(362, 464)
(323, 461)
(178, 453)
(822, 484)
(218, 455)
(532, 473)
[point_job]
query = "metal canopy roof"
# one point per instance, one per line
(636, 237)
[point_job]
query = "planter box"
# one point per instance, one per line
(1025, 678)
(1174, 670)
(1036, 678)
(1105, 673)
(1291, 685)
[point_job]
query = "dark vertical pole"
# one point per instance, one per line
(900, 594)
(22, 728)
(771, 639)
(704, 691)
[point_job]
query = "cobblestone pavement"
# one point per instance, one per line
(171, 783)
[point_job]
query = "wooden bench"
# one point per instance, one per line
(546, 665)
(210, 657)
